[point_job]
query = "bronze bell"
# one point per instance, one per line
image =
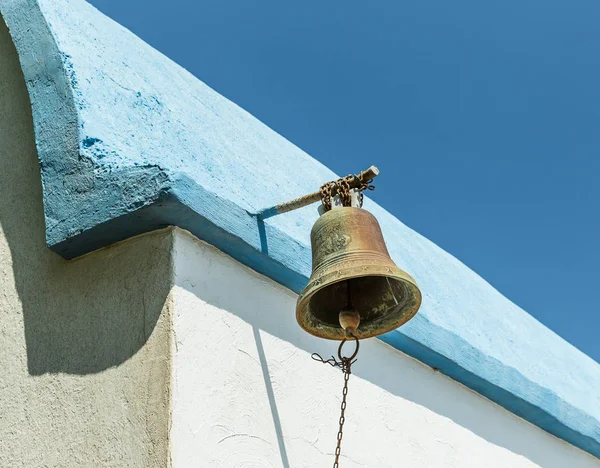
(354, 281)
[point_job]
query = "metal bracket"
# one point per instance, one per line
(362, 178)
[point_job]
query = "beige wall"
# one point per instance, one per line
(84, 345)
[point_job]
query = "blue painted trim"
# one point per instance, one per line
(129, 142)
(505, 386)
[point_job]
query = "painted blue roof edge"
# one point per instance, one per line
(120, 154)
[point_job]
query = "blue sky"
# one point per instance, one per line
(483, 117)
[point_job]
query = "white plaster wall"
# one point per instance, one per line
(84, 345)
(247, 394)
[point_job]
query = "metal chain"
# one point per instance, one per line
(344, 363)
(342, 188)
(364, 186)
(326, 192)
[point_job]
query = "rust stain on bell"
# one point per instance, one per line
(352, 269)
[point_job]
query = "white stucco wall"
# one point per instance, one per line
(247, 394)
(84, 345)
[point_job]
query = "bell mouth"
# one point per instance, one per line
(385, 301)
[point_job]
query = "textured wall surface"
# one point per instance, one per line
(84, 345)
(128, 142)
(247, 394)
(96, 352)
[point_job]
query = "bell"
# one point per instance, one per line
(355, 288)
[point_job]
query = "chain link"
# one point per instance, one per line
(326, 192)
(342, 188)
(344, 363)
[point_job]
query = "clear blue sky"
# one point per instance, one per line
(484, 118)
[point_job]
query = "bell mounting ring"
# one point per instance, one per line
(353, 355)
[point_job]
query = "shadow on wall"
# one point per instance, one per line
(271, 396)
(81, 316)
(429, 390)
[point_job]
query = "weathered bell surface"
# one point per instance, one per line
(352, 271)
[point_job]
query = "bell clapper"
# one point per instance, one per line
(349, 317)
(349, 321)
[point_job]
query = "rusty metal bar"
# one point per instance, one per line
(314, 197)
